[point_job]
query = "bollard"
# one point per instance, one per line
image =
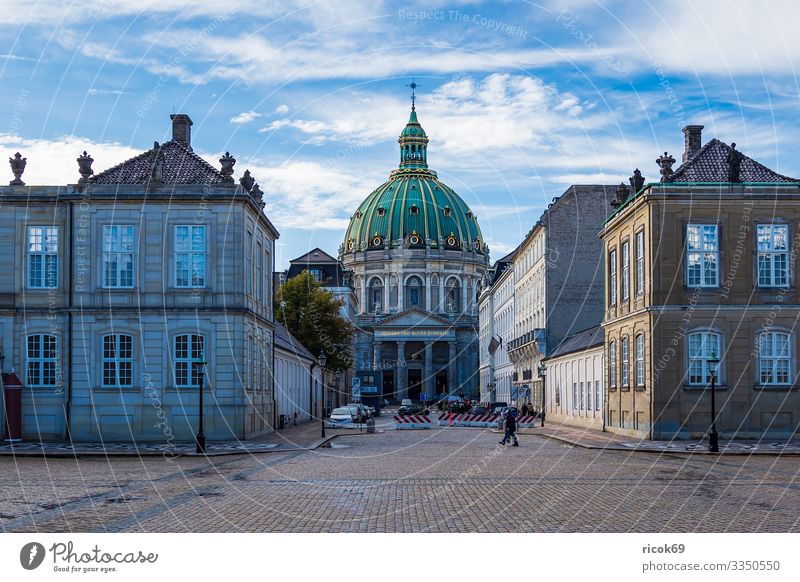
(371, 425)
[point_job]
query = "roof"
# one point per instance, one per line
(710, 164)
(289, 343)
(578, 342)
(181, 166)
(316, 255)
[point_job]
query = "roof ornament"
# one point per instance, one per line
(227, 161)
(247, 181)
(17, 168)
(734, 161)
(84, 168)
(621, 196)
(258, 194)
(636, 181)
(156, 164)
(665, 163)
(413, 85)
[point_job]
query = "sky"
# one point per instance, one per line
(519, 99)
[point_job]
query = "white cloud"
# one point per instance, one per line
(282, 109)
(245, 117)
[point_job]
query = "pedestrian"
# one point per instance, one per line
(525, 409)
(511, 428)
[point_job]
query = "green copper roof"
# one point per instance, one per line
(413, 209)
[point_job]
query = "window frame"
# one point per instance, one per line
(43, 254)
(116, 360)
(191, 253)
(626, 270)
(42, 360)
(612, 365)
(119, 252)
(775, 357)
(702, 254)
(189, 360)
(612, 277)
(639, 354)
(771, 253)
(625, 356)
(703, 359)
(640, 271)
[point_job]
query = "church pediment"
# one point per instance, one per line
(414, 317)
(414, 325)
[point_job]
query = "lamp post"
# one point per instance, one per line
(200, 439)
(542, 370)
(713, 437)
(322, 359)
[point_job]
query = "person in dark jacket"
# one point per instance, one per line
(511, 429)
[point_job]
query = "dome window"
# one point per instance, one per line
(381, 211)
(358, 214)
(351, 245)
(377, 240)
(469, 214)
(451, 240)
(414, 239)
(414, 209)
(446, 211)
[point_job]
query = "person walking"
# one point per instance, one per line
(511, 429)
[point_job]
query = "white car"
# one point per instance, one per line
(342, 416)
(406, 402)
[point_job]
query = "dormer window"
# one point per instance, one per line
(469, 214)
(414, 209)
(377, 240)
(381, 211)
(446, 211)
(358, 214)
(451, 240)
(414, 239)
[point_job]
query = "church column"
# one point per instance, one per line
(401, 389)
(451, 367)
(386, 280)
(362, 308)
(429, 383)
(376, 355)
(428, 300)
(401, 295)
(464, 295)
(442, 302)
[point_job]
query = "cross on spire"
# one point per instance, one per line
(413, 86)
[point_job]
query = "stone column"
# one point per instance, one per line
(429, 383)
(428, 299)
(364, 303)
(401, 293)
(376, 355)
(464, 295)
(442, 302)
(386, 279)
(451, 367)
(401, 388)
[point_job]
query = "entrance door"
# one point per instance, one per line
(388, 384)
(441, 384)
(414, 383)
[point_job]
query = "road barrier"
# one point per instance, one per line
(482, 420)
(412, 421)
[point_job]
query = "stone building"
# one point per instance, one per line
(558, 281)
(417, 256)
(496, 329)
(298, 380)
(701, 265)
(120, 285)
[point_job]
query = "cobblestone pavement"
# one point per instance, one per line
(456, 480)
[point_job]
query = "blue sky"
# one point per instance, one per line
(519, 99)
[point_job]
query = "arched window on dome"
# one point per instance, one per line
(415, 293)
(452, 301)
(375, 295)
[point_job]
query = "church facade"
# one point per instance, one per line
(417, 259)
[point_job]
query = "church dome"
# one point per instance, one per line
(413, 209)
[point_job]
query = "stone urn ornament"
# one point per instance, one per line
(85, 167)
(17, 168)
(247, 181)
(636, 181)
(227, 161)
(665, 163)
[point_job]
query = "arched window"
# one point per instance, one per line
(415, 292)
(375, 295)
(775, 359)
(452, 301)
(435, 295)
(117, 360)
(702, 346)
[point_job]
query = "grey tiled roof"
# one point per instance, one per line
(583, 340)
(181, 166)
(289, 343)
(709, 165)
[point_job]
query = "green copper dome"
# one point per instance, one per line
(413, 209)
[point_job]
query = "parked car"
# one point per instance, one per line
(406, 402)
(412, 409)
(363, 408)
(342, 416)
(496, 407)
(359, 411)
(479, 409)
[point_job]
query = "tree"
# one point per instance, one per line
(312, 315)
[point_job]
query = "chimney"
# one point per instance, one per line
(182, 129)
(694, 141)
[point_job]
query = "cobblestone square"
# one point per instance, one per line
(452, 480)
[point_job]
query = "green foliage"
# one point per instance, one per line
(311, 314)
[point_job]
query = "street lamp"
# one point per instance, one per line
(713, 437)
(322, 359)
(200, 439)
(543, 375)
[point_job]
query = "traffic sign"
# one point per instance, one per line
(423, 397)
(356, 389)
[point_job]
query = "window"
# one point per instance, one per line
(612, 278)
(702, 345)
(42, 257)
(574, 396)
(626, 270)
(640, 360)
(452, 300)
(375, 295)
(414, 292)
(190, 256)
(248, 263)
(773, 255)
(588, 396)
(612, 365)
(583, 396)
(189, 350)
(117, 360)
(316, 274)
(597, 394)
(118, 253)
(774, 358)
(702, 255)
(42, 357)
(625, 380)
(640, 262)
